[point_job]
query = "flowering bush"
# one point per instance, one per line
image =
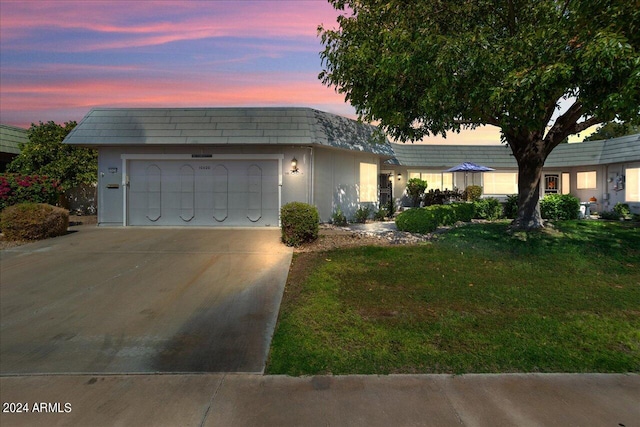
(16, 188)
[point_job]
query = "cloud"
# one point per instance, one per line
(34, 101)
(109, 27)
(60, 58)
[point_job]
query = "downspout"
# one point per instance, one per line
(125, 187)
(312, 173)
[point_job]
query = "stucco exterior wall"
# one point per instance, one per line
(327, 178)
(337, 181)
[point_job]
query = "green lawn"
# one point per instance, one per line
(475, 300)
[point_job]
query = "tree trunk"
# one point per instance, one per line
(530, 158)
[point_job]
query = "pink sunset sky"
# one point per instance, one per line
(61, 58)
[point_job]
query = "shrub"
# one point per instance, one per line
(464, 211)
(362, 214)
(560, 207)
(444, 214)
(300, 223)
(33, 221)
(489, 208)
(338, 218)
(622, 209)
(380, 215)
(415, 189)
(16, 188)
(610, 215)
(417, 220)
(511, 207)
(391, 207)
(439, 197)
(426, 220)
(472, 193)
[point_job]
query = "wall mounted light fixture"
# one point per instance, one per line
(399, 176)
(294, 165)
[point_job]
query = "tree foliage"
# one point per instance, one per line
(431, 67)
(613, 130)
(45, 154)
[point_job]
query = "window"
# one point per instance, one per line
(368, 182)
(500, 183)
(435, 180)
(632, 185)
(586, 180)
(566, 183)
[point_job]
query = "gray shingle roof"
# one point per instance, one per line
(11, 137)
(446, 156)
(224, 126)
(616, 150)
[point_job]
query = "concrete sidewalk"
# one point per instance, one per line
(256, 400)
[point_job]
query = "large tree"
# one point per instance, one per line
(538, 70)
(45, 154)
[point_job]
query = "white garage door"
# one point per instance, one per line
(203, 193)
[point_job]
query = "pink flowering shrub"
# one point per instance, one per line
(16, 188)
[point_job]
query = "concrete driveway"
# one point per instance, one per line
(115, 300)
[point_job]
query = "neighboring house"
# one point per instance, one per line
(10, 139)
(228, 166)
(606, 170)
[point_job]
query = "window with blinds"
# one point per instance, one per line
(368, 182)
(632, 185)
(435, 180)
(586, 180)
(500, 182)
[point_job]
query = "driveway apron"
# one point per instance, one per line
(116, 300)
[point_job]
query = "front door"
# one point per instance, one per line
(386, 188)
(551, 184)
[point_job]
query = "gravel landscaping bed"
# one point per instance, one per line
(371, 234)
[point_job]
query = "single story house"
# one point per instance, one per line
(228, 166)
(238, 166)
(608, 170)
(10, 139)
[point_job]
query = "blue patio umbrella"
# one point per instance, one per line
(467, 167)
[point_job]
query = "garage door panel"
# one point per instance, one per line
(270, 201)
(203, 193)
(187, 193)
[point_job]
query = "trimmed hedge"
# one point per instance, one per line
(489, 208)
(33, 221)
(426, 220)
(560, 207)
(300, 223)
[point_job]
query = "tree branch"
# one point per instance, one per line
(563, 126)
(579, 127)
